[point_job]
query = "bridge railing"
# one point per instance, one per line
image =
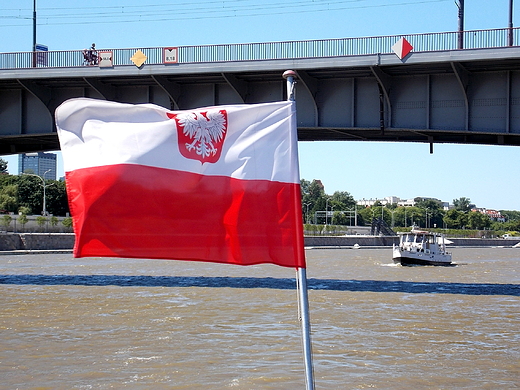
(473, 39)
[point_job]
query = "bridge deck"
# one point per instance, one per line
(433, 96)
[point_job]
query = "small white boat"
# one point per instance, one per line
(420, 247)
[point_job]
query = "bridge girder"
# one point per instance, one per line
(469, 96)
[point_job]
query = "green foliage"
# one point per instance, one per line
(67, 222)
(41, 220)
(25, 191)
(6, 221)
(22, 220)
(462, 204)
(9, 197)
(478, 220)
(3, 167)
(54, 220)
(314, 199)
(24, 210)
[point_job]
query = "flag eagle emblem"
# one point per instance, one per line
(200, 134)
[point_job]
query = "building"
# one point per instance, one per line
(391, 200)
(41, 164)
(494, 215)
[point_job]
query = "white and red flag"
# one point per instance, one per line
(217, 184)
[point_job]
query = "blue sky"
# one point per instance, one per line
(488, 175)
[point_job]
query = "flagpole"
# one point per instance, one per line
(301, 279)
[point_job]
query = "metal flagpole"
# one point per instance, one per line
(301, 279)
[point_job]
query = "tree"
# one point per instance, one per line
(6, 221)
(9, 197)
(313, 198)
(463, 204)
(476, 220)
(455, 219)
(342, 200)
(3, 167)
(30, 194)
(41, 220)
(56, 198)
(67, 222)
(22, 220)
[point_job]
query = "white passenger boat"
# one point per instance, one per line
(420, 247)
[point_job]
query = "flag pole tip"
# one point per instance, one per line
(289, 73)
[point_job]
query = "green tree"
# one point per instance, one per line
(313, 198)
(3, 167)
(463, 204)
(41, 220)
(67, 222)
(511, 215)
(30, 194)
(6, 221)
(9, 197)
(455, 219)
(476, 220)
(54, 221)
(56, 198)
(22, 220)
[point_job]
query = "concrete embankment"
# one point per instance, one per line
(64, 242)
(34, 242)
(382, 241)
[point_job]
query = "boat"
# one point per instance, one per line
(420, 247)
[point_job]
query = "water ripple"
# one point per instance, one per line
(267, 282)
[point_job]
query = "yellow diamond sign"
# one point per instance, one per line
(139, 58)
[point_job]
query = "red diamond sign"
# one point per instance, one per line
(402, 48)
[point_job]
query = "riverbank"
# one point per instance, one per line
(362, 241)
(22, 243)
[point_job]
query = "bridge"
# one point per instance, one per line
(351, 89)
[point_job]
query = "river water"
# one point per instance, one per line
(145, 324)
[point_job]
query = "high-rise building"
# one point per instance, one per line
(41, 164)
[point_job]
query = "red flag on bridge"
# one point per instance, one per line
(217, 184)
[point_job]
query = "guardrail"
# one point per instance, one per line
(474, 39)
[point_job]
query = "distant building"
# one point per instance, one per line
(391, 200)
(495, 215)
(38, 163)
(385, 201)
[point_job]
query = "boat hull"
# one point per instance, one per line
(403, 260)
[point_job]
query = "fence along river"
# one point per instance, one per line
(137, 324)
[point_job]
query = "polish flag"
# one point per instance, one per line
(218, 184)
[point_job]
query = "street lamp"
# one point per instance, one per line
(307, 212)
(326, 211)
(44, 185)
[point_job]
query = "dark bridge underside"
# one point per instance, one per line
(466, 97)
(49, 142)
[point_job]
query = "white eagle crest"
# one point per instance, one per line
(206, 129)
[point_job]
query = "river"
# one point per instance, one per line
(153, 324)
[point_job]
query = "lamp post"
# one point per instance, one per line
(326, 211)
(44, 185)
(307, 212)
(34, 36)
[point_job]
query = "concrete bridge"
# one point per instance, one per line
(348, 89)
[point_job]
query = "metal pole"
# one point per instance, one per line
(44, 211)
(460, 4)
(44, 186)
(34, 35)
(306, 326)
(303, 301)
(510, 25)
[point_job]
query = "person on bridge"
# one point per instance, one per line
(90, 56)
